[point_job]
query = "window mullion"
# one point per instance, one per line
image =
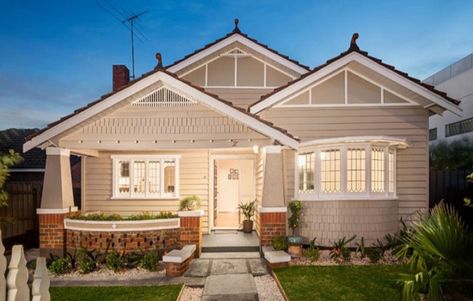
(386, 171)
(132, 178)
(368, 170)
(161, 180)
(343, 169)
(317, 173)
(146, 179)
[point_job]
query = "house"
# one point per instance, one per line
(236, 121)
(455, 79)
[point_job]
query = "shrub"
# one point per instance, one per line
(86, 265)
(61, 266)
(360, 248)
(189, 203)
(115, 262)
(374, 254)
(118, 217)
(87, 261)
(438, 250)
(313, 252)
(279, 243)
(340, 250)
(133, 260)
(295, 219)
(150, 261)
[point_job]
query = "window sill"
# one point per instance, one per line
(313, 198)
(120, 198)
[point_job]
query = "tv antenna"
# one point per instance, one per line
(131, 20)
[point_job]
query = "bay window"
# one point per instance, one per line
(347, 169)
(145, 177)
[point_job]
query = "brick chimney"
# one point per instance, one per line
(121, 77)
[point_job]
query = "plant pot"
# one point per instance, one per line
(295, 250)
(294, 240)
(247, 226)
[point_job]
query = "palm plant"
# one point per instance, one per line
(437, 250)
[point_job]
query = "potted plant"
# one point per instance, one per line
(189, 203)
(248, 211)
(295, 242)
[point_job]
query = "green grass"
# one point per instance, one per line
(123, 293)
(327, 283)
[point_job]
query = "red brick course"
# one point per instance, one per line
(52, 235)
(177, 269)
(191, 232)
(272, 224)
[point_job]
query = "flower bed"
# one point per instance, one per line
(102, 232)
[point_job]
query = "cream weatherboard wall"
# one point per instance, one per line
(329, 220)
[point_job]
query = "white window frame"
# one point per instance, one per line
(317, 195)
(147, 195)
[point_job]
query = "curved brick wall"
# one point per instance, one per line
(332, 220)
(128, 242)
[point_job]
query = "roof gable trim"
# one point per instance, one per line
(204, 98)
(236, 37)
(335, 65)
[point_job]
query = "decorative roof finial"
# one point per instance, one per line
(353, 45)
(159, 58)
(236, 29)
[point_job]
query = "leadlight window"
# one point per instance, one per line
(146, 177)
(356, 170)
(460, 127)
(346, 171)
(306, 172)
(377, 169)
(330, 171)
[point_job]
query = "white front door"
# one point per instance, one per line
(235, 183)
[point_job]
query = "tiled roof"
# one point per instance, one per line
(238, 32)
(14, 139)
(159, 69)
(354, 48)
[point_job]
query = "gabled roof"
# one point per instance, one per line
(437, 96)
(160, 74)
(237, 35)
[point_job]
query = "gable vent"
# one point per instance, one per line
(163, 97)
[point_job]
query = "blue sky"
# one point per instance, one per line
(57, 55)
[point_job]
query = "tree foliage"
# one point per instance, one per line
(6, 162)
(456, 155)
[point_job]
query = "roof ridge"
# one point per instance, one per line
(237, 31)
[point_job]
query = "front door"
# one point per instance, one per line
(235, 183)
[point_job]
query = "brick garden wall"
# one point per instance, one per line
(127, 242)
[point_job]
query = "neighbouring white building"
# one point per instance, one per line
(457, 81)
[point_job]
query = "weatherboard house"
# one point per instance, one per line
(237, 121)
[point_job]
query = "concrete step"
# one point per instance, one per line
(230, 255)
(230, 287)
(232, 249)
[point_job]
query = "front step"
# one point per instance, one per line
(232, 249)
(230, 255)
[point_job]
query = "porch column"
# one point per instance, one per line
(57, 201)
(272, 214)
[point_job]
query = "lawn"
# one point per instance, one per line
(123, 293)
(346, 282)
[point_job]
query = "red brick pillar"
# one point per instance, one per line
(191, 229)
(272, 223)
(52, 234)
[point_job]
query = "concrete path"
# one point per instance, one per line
(228, 279)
